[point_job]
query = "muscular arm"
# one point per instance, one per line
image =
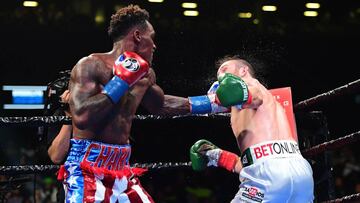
(60, 145)
(153, 99)
(88, 105)
(175, 105)
(157, 103)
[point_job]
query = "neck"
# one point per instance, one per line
(247, 78)
(121, 46)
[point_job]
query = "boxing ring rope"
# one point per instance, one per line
(53, 120)
(31, 169)
(345, 89)
(349, 198)
(331, 145)
(27, 169)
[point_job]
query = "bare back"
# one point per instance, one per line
(266, 122)
(94, 115)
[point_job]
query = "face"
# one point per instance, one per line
(146, 47)
(229, 67)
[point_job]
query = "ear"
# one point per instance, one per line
(243, 70)
(136, 35)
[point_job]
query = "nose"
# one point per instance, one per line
(154, 47)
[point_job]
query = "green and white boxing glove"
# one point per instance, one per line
(232, 91)
(204, 153)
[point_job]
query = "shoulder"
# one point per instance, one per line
(90, 61)
(89, 64)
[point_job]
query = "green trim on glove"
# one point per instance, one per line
(198, 150)
(232, 90)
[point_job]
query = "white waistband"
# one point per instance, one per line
(270, 149)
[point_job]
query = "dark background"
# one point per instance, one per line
(311, 55)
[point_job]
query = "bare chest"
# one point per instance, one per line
(251, 122)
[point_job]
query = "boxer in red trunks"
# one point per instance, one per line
(105, 91)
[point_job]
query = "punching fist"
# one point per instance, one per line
(207, 103)
(127, 69)
(204, 153)
(232, 91)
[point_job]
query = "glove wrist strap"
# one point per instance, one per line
(228, 160)
(115, 89)
(200, 104)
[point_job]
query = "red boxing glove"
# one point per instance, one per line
(130, 67)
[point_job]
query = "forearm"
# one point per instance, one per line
(60, 145)
(174, 105)
(238, 167)
(153, 99)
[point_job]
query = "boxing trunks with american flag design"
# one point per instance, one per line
(99, 172)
